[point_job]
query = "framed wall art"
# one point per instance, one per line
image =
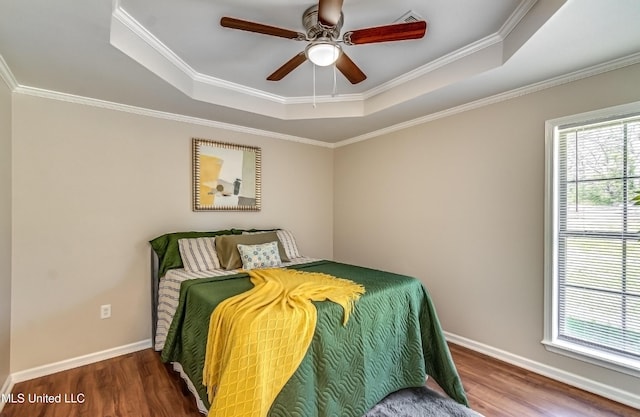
(226, 176)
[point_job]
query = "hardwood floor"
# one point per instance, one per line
(497, 389)
(139, 385)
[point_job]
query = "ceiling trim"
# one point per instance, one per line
(434, 65)
(515, 18)
(7, 75)
(132, 38)
(532, 88)
(508, 95)
(493, 39)
(87, 101)
(135, 41)
(132, 24)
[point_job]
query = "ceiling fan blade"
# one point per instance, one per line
(395, 32)
(349, 69)
(329, 12)
(233, 23)
(288, 66)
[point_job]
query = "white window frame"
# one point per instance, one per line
(550, 340)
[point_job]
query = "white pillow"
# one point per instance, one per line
(265, 255)
(199, 254)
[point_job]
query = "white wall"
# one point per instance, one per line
(92, 186)
(5, 230)
(459, 203)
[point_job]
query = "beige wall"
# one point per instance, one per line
(92, 186)
(5, 229)
(459, 203)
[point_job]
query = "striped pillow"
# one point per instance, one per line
(288, 243)
(199, 254)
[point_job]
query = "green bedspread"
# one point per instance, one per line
(392, 340)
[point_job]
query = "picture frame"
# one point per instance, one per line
(226, 176)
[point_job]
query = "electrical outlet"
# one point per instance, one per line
(105, 311)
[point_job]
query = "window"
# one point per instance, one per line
(592, 283)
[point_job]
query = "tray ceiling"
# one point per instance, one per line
(174, 58)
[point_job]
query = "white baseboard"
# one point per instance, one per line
(612, 393)
(79, 361)
(595, 387)
(7, 387)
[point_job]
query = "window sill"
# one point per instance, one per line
(620, 364)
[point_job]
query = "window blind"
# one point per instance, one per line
(598, 236)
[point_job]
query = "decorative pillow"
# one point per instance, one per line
(286, 240)
(264, 255)
(168, 251)
(289, 243)
(199, 254)
(227, 247)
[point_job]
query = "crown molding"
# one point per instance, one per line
(474, 47)
(532, 88)
(172, 58)
(433, 65)
(133, 39)
(521, 11)
(7, 75)
(508, 95)
(87, 101)
(150, 39)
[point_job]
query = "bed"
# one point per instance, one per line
(393, 339)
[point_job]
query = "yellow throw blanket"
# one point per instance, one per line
(258, 339)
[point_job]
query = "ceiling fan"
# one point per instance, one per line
(323, 23)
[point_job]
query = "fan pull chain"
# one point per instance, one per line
(314, 86)
(335, 82)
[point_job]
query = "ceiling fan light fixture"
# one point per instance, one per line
(323, 52)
